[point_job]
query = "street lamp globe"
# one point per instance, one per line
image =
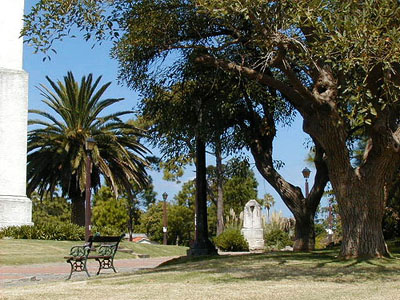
(90, 143)
(165, 196)
(306, 172)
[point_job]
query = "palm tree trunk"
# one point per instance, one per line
(78, 210)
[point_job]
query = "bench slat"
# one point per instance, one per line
(99, 256)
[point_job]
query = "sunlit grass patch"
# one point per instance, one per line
(20, 252)
(301, 276)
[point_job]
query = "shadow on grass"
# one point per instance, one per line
(277, 266)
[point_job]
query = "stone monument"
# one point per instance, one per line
(252, 226)
(15, 207)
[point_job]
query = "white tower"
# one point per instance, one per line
(15, 207)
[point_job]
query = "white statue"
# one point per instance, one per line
(252, 225)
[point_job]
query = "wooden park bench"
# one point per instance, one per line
(106, 248)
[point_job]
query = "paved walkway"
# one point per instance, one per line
(28, 274)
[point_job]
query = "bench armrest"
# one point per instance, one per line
(80, 251)
(107, 250)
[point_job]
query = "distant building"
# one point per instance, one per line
(140, 238)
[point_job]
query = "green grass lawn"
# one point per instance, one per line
(277, 275)
(20, 252)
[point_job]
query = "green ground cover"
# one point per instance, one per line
(20, 252)
(277, 275)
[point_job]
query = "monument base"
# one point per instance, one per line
(15, 211)
(255, 238)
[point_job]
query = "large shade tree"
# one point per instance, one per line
(228, 102)
(335, 62)
(56, 143)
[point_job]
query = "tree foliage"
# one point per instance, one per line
(50, 210)
(240, 185)
(180, 223)
(109, 211)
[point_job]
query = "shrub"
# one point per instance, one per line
(54, 231)
(106, 230)
(320, 240)
(46, 231)
(277, 239)
(231, 240)
(319, 229)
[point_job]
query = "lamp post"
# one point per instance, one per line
(306, 174)
(89, 146)
(330, 218)
(165, 219)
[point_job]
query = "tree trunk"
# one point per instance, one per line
(303, 208)
(304, 231)
(361, 211)
(220, 194)
(78, 210)
(360, 191)
(130, 222)
(202, 245)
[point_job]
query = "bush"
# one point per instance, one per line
(46, 231)
(54, 231)
(231, 240)
(106, 230)
(320, 240)
(319, 229)
(277, 239)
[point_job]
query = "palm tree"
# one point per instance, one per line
(268, 201)
(56, 147)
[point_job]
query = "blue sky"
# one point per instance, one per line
(78, 56)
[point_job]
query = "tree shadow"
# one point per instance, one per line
(278, 266)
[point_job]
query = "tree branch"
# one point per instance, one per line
(292, 95)
(321, 177)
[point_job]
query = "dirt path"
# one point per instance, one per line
(29, 274)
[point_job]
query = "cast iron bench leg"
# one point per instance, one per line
(74, 267)
(112, 265)
(105, 263)
(99, 261)
(86, 270)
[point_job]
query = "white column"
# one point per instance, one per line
(11, 14)
(15, 207)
